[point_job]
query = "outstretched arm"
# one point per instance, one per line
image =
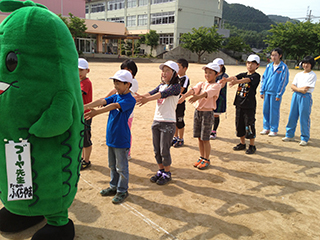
(97, 103)
(187, 94)
(143, 99)
(95, 112)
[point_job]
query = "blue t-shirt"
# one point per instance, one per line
(118, 132)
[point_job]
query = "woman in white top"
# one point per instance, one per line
(301, 102)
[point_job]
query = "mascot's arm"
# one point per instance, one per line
(57, 119)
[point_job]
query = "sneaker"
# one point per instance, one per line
(240, 146)
(204, 164)
(108, 192)
(264, 132)
(158, 175)
(165, 178)
(288, 139)
(85, 164)
(197, 162)
(272, 134)
(129, 157)
(119, 197)
(179, 143)
(303, 143)
(213, 135)
(174, 140)
(251, 150)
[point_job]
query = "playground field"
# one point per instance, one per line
(273, 194)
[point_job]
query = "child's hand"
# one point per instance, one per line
(233, 82)
(304, 90)
(137, 96)
(91, 114)
(181, 99)
(141, 100)
(223, 81)
(194, 99)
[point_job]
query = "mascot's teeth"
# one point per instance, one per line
(3, 87)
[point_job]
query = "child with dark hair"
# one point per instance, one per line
(119, 106)
(204, 98)
(131, 66)
(86, 89)
(301, 102)
(245, 102)
(222, 99)
(181, 107)
(164, 121)
(273, 85)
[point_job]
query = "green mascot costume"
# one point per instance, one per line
(41, 119)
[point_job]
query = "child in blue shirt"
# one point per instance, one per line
(118, 137)
(301, 102)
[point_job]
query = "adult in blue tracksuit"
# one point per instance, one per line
(273, 85)
(301, 103)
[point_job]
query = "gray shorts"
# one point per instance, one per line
(202, 124)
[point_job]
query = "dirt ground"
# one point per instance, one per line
(273, 194)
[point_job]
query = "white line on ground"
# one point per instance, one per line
(140, 215)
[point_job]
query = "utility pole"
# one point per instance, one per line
(61, 7)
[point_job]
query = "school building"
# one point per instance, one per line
(109, 21)
(100, 33)
(169, 18)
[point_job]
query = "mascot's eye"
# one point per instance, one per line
(11, 61)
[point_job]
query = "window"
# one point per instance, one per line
(142, 2)
(115, 5)
(161, 1)
(87, 9)
(162, 18)
(131, 21)
(166, 38)
(132, 3)
(142, 20)
(117, 20)
(98, 7)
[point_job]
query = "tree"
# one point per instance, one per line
(201, 40)
(152, 39)
(253, 38)
(296, 40)
(77, 26)
(236, 44)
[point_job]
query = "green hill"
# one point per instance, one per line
(246, 18)
(281, 19)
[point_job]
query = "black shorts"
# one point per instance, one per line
(87, 133)
(180, 115)
(245, 122)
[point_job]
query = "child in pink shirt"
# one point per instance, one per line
(204, 98)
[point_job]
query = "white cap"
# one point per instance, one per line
(218, 61)
(171, 64)
(123, 76)
(212, 66)
(83, 64)
(253, 57)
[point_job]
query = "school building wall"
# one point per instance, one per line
(188, 14)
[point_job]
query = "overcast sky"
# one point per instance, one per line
(286, 8)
